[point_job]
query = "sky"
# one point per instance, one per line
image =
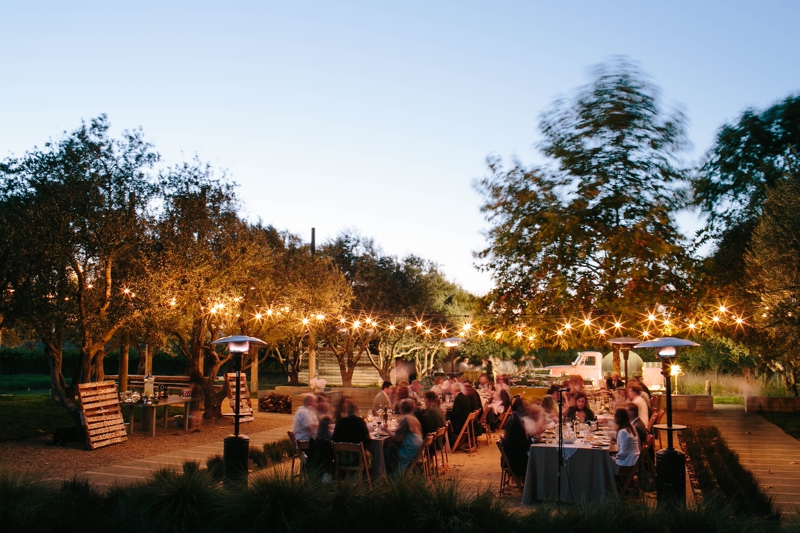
(374, 116)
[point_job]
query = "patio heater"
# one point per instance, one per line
(452, 343)
(623, 345)
(670, 463)
(235, 447)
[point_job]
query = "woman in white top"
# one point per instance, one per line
(627, 440)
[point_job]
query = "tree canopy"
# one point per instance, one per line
(598, 232)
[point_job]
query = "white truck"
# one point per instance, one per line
(588, 365)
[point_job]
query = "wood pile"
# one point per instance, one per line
(275, 403)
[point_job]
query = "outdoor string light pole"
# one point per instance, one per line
(670, 463)
(236, 447)
(452, 342)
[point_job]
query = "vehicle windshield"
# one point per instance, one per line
(577, 360)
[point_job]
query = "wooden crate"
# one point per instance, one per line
(102, 415)
(245, 404)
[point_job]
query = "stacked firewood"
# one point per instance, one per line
(275, 403)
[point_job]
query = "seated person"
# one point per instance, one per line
(580, 411)
(627, 440)
(550, 411)
(615, 382)
(306, 423)
(461, 409)
(383, 400)
(534, 421)
(407, 436)
(516, 442)
(352, 428)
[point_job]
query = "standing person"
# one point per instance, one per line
(306, 423)
(407, 436)
(383, 400)
(627, 440)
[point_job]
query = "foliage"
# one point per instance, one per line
(788, 422)
(730, 385)
(85, 200)
(24, 382)
(597, 234)
(774, 277)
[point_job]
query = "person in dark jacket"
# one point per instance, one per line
(461, 410)
(516, 443)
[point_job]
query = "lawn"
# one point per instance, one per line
(30, 415)
(789, 422)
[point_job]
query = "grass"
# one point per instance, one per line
(24, 382)
(192, 500)
(788, 422)
(730, 386)
(30, 415)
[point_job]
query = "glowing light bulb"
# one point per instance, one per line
(305, 321)
(391, 327)
(258, 316)
(722, 309)
(602, 332)
(739, 320)
(480, 332)
(567, 326)
(444, 331)
(587, 322)
(519, 334)
(356, 324)
(427, 331)
(617, 325)
(715, 319)
(269, 312)
(419, 324)
(651, 317)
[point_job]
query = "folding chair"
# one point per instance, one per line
(506, 474)
(423, 457)
(300, 447)
(466, 435)
(486, 429)
(444, 448)
(344, 466)
(647, 468)
(624, 477)
(504, 417)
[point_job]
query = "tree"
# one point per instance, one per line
(208, 261)
(773, 270)
(749, 156)
(597, 235)
(74, 215)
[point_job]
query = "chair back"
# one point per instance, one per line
(342, 466)
(465, 435)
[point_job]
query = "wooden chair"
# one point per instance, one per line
(652, 421)
(423, 458)
(624, 477)
(507, 476)
(503, 418)
(300, 447)
(647, 467)
(466, 435)
(486, 429)
(444, 449)
(342, 466)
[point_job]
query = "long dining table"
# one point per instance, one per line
(587, 474)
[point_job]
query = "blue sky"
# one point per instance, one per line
(373, 116)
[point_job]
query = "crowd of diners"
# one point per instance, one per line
(630, 405)
(421, 410)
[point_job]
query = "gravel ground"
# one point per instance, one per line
(38, 456)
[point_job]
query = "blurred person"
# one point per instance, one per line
(550, 410)
(638, 380)
(407, 436)
(516, 442)
(324, 416)
(627, 441)
(401, 392)
(415, 391)
(461, 410)
(306, 423)
(383, 400)
(437, 385)
(351, 427)
(634, 395)
(534, 421)
(636, 423)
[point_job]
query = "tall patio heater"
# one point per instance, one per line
(670, 463)
(235, 447)
(452, 343)
(623, 345)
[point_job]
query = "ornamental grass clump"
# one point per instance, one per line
(23, 498)
(171, 502)
(274, 502)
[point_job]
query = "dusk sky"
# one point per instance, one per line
(373, 116)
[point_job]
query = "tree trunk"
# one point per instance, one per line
(615, 358)
(347, 373)
(58, 384)
(124, 355)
